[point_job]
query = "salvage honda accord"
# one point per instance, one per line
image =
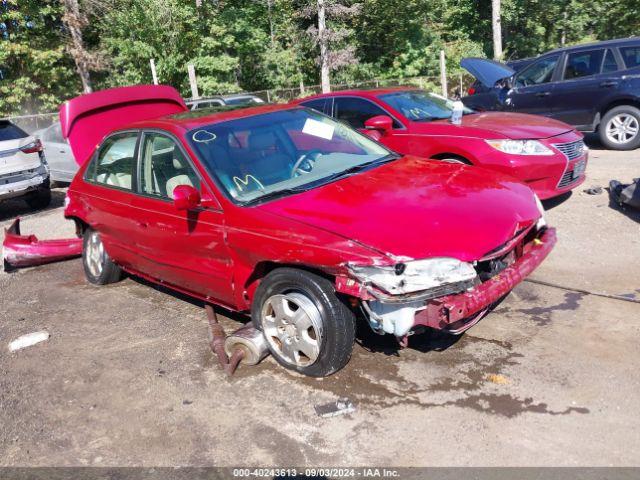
(298, 219)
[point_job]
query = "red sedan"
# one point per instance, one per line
(297, 219)
(548, 155)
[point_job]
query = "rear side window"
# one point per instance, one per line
(610, 64)
(164, 167)
(631, 56)
(53, 134)
(583, 64)
(8, 131)
(356, 111)
(115, 161)
(319, 105)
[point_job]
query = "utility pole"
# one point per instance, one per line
(497, 29)
(324, 48)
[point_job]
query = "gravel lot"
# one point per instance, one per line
(127, 378)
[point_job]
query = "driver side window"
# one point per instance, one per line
(164, 167)
(356, 111)
(537, 73)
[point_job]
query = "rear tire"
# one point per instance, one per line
(307, 328)
(98, 267)
(620, 128)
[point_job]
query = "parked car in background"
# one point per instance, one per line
(235, 99)
(594, 87)
(62, 165)
(300, 220)
(547, 155)
(23, 168)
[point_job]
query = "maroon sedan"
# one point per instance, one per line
(548, 155)
(297, 219)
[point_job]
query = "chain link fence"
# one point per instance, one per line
(456, 87)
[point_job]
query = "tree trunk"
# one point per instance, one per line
(324, 48)
(74, 21)
(497, 29)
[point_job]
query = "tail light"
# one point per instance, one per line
(471, 91)
(33, 147)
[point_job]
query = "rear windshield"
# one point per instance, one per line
(8, 131)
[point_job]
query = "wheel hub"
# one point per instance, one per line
(292, 325)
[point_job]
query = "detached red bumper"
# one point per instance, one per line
(26, 250)
(455, 313)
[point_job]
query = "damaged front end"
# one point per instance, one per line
(444, 293)
(26, 250)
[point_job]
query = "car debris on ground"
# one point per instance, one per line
(342, 406)
(28, 340)
(27, 250)
(626, 195)
(593, 190)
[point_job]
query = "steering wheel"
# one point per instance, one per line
(305, 163)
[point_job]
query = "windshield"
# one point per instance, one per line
(281, 152)
(421, 106)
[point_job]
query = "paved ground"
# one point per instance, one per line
(550, 378)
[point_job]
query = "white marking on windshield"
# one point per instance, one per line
(202, 136)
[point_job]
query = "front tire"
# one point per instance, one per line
(620, 128)
(307, 328)
(98, 267)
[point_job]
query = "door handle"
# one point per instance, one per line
(543, 94)
(142, 224)
(608, 83)
(63, 151)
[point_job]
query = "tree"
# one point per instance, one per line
(36, 72)
(496, 29)
(75, 21)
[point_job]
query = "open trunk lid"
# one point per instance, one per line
(487, 72)
(86, 119)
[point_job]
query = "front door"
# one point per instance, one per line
(533, 88)
(184, 249)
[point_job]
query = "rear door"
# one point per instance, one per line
(587, 78)
(109, 180)
(533, 87)
(184, 249)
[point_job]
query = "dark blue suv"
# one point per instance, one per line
(594, 87)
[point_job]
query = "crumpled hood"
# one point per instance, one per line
(414, 208)
(518, 126)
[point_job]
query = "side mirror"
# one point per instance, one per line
(185, 197)
(383, 123)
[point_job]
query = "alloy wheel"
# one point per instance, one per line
(95, 254)
(622, 128)
(292, 324)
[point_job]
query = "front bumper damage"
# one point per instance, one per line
(454, 313)
(26, 250)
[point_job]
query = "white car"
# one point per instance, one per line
(23, 168)
(62, 165)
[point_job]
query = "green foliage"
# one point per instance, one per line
(269, 44)
(36, 70)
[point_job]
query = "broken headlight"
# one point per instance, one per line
(520, 147)
(415, 275)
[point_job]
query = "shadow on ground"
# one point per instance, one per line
(14, 207)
